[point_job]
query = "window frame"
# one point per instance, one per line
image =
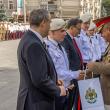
(11, 2)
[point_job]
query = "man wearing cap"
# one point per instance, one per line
(103, 68)
(95, 46)
(59, 56)
(84, 44)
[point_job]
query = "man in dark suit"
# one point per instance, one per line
(69, 43)
(38, 77)
(74, 55)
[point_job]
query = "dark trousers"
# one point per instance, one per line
(73, 97)
(61, 103)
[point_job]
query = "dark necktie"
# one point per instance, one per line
(59, 45)
(44, 44)
(91, 40)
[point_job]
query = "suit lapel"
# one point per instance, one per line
(71, 43)
(48, 57)
(75, 48)
(51, 66)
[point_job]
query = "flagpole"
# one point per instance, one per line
(24, 10)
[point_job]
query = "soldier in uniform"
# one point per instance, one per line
(101, 41)
(95, 46)
(4, 31)
(84, 43)
(103, 68)
(0, 31)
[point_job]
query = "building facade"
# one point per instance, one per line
(91, 6)
(58, 8)
(10, 6)
(69, 8)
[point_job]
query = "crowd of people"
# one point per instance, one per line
(52, 55)
(11, 31)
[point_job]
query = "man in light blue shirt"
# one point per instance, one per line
(95, 46)
(58, 54)
(84, 43)
(102, 43)
(85, 47)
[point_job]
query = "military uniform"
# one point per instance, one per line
(102, 43)
(96, 48)
(85, 47)
(103, 68)
(2, 31)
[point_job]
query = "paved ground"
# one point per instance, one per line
(9, 75)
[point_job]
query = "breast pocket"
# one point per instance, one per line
(85, 44)
(58, 58)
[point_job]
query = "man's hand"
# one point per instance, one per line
(63, 91)
(90, 65)
(81, 75)
(70, 87)
(60, 83)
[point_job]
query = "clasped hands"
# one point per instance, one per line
(64, 91)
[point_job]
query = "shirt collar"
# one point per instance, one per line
(37, 34)
(53, 41)
(70, 35)
(91, 36)
(83, 32)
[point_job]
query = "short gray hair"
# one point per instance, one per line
(37, 16)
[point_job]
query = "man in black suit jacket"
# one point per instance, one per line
(74, 55)
(38, 77)
(69, 43)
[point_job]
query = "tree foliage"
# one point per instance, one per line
(106, 5)
(2, 13)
